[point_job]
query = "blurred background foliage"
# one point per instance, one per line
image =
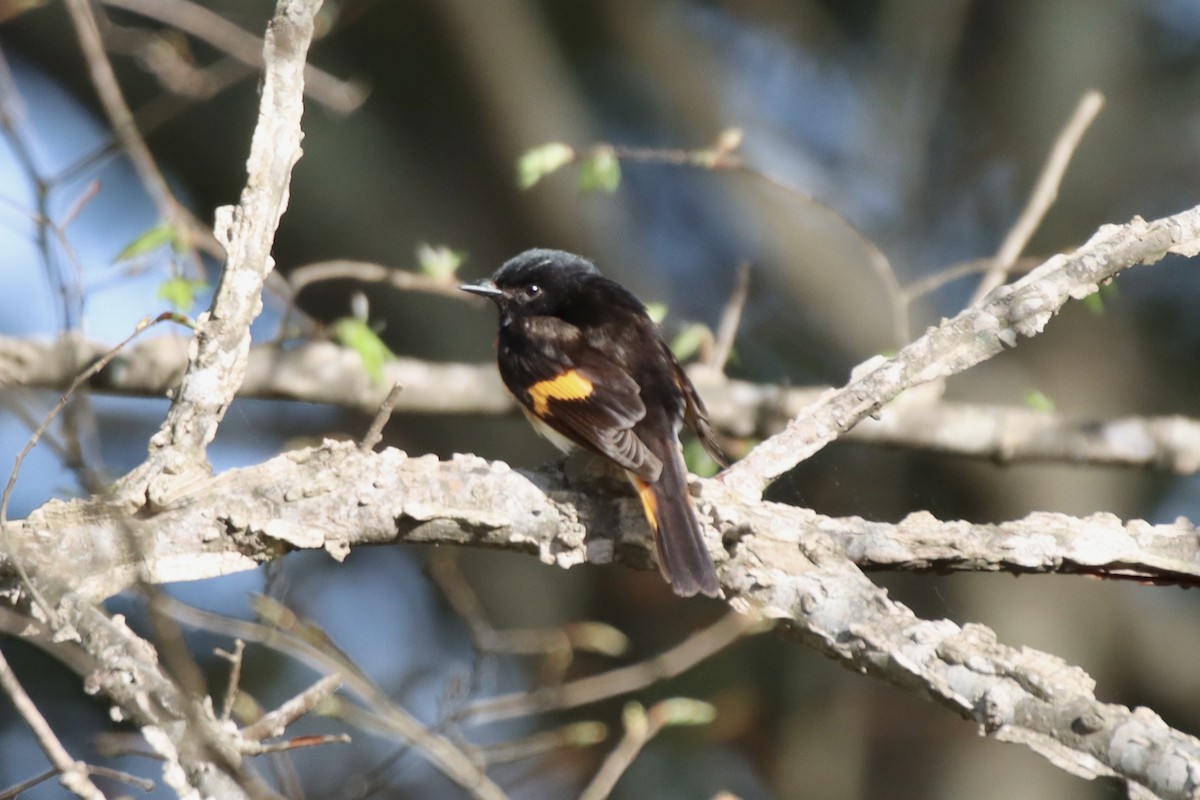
(923, 124)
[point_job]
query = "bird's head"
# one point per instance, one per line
(539, 282)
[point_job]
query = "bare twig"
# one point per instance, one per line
(13, 792)
(976, 334)
(276, 722)
(209, 27)
(640, 727)
(572, 735)
(1045, 192)
(12, 121)
(639, 730)
(556, 645)
(368, 272)
(82, 378)
(965, 269)
(730, 318)
(74, 773)
(312, 740)
(680, 658)
(439, 750)
(235, 676)
(723, 155)
(119, 115)
(375, 433)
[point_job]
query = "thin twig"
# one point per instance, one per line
(976, 334)
(369, 272)
(1045, 192)
(375, 433)
(235, 676)
(640, 727)
(13, 792)
(680, 658)
(339, 96)
(575, 734)
(145, 784)
(312, 740)
(965, 269)
(117, 110)
(730, 318)
(637, 735)
(557, 646)
(722, 156)
(274, 723)
(82, 378)
(74, 773)
(443, 753)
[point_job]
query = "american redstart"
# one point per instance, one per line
(587, 365)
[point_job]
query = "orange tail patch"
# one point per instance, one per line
(649, 502)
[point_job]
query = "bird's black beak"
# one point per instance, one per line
(484, 288)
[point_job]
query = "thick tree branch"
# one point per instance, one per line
(324, 372)
(219, 348)
(786, 562)
(331, 498)
(202, 756)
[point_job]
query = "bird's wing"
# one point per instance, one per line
(584, 395)
(696, 415)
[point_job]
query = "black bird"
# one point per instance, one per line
(589, 368)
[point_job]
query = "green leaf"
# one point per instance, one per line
(1038, 401)
(357, 335)
(600, 171)
(154, 238)
(584, 734)
(698, 460)
(598, 637)
(439, 261)
(683, 711)
(181, 292)
(246, 709)
(657, 312)
(540, 161)
(1094, 302)
(690, 340)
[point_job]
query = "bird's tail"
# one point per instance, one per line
(683, 556)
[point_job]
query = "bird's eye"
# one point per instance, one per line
(533, 290)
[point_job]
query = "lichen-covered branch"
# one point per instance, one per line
(782, 561)
(335, 497)
(218, 351)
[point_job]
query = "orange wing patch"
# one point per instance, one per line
(570, 385)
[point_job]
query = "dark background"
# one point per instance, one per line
(925, 125)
